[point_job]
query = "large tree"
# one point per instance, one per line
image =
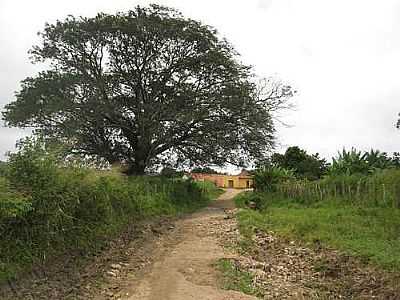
(303, 164)
(143, 86)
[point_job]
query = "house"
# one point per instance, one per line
(243, 180)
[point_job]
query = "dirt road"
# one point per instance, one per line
(186, 270)
(174, 259)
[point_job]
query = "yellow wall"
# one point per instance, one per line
(243, 182)
(238, 183)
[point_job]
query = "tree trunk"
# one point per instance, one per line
(136, 168)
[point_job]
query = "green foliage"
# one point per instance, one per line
(204, 170)
(251, 199)
(233, 278)
(33, 166)
(146, 87)
(12, 203)
(305, 166)
(170, 172)
(349, 162)
(370, 233)
(356, 213)
(267, 178)
(396, 159)
(209, 188)
(358, 162)
(3, 167)
(47, 208)
(382, 188)
(378, 160)
(355, 208)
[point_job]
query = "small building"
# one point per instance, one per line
(244, 180)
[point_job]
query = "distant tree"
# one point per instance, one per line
(303, 165)
(377, 159)
(396, 159)
(145, 87)
(204, 170)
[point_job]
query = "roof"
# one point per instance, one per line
(244, 173)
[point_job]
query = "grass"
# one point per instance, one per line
(212, 191)
(47, 210)
(370, 233)
(232, 278)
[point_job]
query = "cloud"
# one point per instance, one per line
(264, 4)
(342, 56)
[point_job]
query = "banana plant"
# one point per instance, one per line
(357, 162)
(266, 178)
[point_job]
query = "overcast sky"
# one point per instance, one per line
(343, 57)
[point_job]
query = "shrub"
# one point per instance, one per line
(48, 207)
(267, 178)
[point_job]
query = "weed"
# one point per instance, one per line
(233, 278)
(48, 209)
(370, 233)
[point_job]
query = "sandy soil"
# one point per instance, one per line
(185, 270)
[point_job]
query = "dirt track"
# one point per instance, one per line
(162, 259)
(173, 259)
(185, 270)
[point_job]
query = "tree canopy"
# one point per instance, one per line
(204, 170)
(146, 86)
(303, 164)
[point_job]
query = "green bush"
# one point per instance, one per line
(266, 179)
(356, 213)
(209, 188)
(48, 208)
(255, 200)
(370, 233)
(12, 203)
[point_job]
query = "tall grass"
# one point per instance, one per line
(370, 233)
(379, 189)
(358, 214)
(46, 210)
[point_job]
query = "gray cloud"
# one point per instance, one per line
(342, 56)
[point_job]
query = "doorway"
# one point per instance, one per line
(230, 184)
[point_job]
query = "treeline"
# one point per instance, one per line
(172, 172)
(49, 207)
(370, 177)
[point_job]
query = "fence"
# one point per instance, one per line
(368, 190)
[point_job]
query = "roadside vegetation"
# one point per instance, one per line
(151, 88)
(49, 208)
(233, 278)
(353, 207)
